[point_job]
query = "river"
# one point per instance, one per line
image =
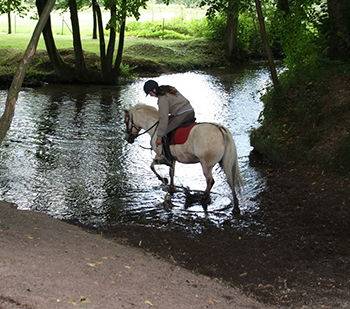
(65, 153)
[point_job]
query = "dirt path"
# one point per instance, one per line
(46, 263)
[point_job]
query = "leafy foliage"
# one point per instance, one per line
(16, 6)
(298, 33)
(173, 29)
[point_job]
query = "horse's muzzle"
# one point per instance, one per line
(130, 139)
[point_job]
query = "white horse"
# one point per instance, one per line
(207, 143)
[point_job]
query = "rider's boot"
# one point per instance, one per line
(167, 158)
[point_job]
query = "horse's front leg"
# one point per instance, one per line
(162, 179)
(171, 174)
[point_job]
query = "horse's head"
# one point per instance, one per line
(132, 130)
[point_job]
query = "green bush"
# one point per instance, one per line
(173, 29)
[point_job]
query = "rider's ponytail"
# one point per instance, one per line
(164, 89)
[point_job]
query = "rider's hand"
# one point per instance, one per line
(158, 142)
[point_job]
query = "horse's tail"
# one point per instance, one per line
(229, 163)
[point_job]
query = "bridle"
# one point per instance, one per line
(134, 126)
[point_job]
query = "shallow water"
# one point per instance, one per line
(65, 153)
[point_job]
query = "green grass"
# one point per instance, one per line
(20, 41)
(166, 15)
(172, 23)
(150, 55)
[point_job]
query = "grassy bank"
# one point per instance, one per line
(309, 123)
(143, 56)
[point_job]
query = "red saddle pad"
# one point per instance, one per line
(181, 135)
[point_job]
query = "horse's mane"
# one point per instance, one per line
(147, 109)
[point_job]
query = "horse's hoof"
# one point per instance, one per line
(205, 201)
(236, 212)
(171, 189)
(205, 198)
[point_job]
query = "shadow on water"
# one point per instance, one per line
(65, 153)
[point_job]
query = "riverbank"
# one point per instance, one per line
(147, 58)
(309, 123)
(46, 263)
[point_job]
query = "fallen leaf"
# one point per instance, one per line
(148, 303)
(84, 300)
(91, 264)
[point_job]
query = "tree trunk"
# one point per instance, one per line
(102, 39)
(110, 48)
(118, 59)
(339, 17)
(6, 118)
(267, 46)
(9, 26)
(283, 5)
(94, 20)
(81, 71)
(60, 67)
(231, 29)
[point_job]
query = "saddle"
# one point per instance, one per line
(180, 135)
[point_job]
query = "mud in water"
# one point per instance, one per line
(303, 258)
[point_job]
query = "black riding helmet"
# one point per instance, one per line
(149, 86)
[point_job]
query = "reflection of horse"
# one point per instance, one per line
(207, 143)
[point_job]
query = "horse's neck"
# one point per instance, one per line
(148, 121)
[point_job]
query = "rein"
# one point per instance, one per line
(139, 128)
(148, 129)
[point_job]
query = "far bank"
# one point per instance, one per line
(144, 58)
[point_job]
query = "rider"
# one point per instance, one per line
(174, 111)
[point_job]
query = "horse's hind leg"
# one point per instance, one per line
(236, 210)
(207, 170)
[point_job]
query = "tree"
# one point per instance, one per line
(339, 20)
(267, 45)
(283, 5)
(60, 67)
(119, 10)
(6, 118)
(229, 8)
(231, 29)
(81, 72)
(312, 32)
(8, 6)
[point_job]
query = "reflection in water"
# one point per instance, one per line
(65, 153)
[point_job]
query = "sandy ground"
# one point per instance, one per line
(47, 263)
